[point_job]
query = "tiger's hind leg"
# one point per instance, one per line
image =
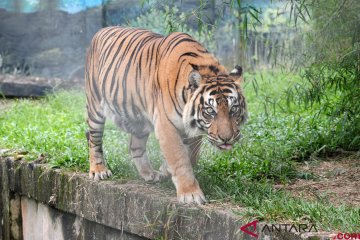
(96, 122)
(142, 163)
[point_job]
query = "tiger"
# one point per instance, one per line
(171, 85)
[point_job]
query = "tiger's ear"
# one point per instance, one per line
(194, 80)
(236, 73)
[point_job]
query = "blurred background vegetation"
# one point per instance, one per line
(302, 82)
(316, 42)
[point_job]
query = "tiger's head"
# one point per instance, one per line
(217, 107)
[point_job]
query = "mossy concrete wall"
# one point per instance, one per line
(37, 201)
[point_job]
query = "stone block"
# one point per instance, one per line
(24, 86)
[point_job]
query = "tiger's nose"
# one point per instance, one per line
(225, 138)
(231, 137)
(225, 132)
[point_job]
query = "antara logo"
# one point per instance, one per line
(252, 224)
(251, 227)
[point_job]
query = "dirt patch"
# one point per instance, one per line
(333, 179)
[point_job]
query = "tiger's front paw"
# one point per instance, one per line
(189, 192)
(98, 172)
(192, 197)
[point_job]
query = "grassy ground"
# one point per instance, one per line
(276, 137)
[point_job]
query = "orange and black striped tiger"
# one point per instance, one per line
(172, 85)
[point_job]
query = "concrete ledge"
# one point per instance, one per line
(137, 209)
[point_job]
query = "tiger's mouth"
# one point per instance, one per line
(222, 146)
(225, 146)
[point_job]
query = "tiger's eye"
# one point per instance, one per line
(234, 109)
(210, 111)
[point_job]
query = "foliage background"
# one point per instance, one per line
(302, 64)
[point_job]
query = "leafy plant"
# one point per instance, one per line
(170, 20)
(7, 66)
(331, 80)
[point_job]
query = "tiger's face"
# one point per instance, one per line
(217, 108)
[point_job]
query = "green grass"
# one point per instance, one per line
(276, 136)
(54, 125)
